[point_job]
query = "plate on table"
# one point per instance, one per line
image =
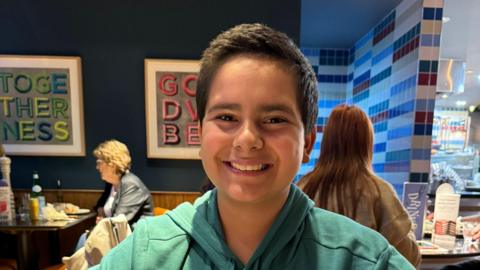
(80, 211)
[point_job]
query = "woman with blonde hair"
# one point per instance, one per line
(343, 181)
(127, 195)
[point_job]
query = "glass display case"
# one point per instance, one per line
(450, 130)
(455, 157)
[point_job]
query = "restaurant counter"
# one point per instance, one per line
(463, 194)
(433, 258)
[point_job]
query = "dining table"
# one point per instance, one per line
(461, 252)
(40, 243)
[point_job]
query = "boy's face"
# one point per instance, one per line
(252, 138)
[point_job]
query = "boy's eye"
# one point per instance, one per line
(275, 120)
(225, 117)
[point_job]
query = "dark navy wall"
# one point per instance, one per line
(113, 38)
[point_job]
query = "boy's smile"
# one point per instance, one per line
(253, 139)
(247, 168)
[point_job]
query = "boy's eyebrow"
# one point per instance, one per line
(224, 106)
(263, 108)
(278, 107)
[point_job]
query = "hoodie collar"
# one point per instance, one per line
(201, 221)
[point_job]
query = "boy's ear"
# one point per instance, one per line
(309, 142)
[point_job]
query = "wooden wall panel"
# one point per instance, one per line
(170, 200)
(88, 198)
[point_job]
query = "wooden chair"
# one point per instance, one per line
(158, 211)
(56, 267)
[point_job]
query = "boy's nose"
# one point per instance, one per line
(248, 138)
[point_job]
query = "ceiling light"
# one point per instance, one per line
(469, 71)
(445, 19)
(471, 108)
(461, 103)
(444, 96)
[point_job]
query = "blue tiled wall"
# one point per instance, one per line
(391, 74)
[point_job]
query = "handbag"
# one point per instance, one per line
(107, 234)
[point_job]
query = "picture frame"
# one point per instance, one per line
(41, 105)
(171, 111)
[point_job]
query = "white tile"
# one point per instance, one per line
(332, 70)
(426, 92)
(399, 144)
(378, 158)
(421, 142)
(420, 166)
(381, 137)
(362, 69)
(385, 42)
(407, 21)
(431, 27)
(396, 177)
(401, 121)
(428, 53)
(359, 52)
(332, 88)
(433, 3)
(405, 5)
(407, 70)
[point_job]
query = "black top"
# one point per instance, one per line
(103, 199)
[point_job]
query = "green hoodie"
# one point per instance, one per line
(302, 237)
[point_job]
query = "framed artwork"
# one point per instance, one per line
(41, 105)
(171, 111)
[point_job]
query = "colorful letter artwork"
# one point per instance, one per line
(172, 121)
(40, 106)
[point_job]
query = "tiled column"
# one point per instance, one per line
(391, 74)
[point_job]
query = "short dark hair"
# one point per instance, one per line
(261, 40)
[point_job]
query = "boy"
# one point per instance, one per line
(257, 105)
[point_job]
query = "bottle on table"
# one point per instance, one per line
(5, 163)
(5, 210)
(59, 191)
(37, 192)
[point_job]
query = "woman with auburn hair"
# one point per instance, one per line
(343, 181)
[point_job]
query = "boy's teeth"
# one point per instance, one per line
(247, 167)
